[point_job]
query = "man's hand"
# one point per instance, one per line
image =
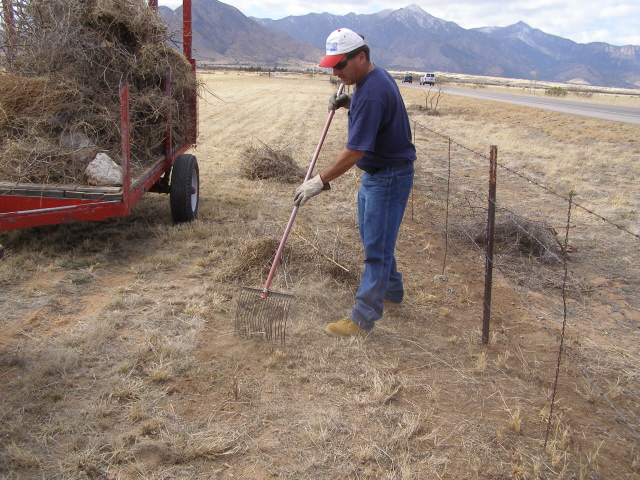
(338, 101)
(308, 189)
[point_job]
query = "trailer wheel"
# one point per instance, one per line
(185, 188)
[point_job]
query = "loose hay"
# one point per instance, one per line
(251, 263)
(61, 73)
(518, 236)
(264, 163)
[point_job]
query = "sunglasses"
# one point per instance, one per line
(343, 63)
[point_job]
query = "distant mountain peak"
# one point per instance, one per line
(414, 16)
(414, 8)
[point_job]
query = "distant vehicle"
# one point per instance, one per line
(428, 79)
(407, 79)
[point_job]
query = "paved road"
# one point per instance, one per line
(595, 110)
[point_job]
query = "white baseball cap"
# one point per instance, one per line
(340, 41)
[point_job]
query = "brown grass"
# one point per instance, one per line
(118, 357)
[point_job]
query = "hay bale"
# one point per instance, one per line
(61, 75)
(266, 163)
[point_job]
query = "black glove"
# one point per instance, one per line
(336, 102)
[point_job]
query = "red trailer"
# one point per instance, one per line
(175, 173)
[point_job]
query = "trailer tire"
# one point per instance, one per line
(185, 188)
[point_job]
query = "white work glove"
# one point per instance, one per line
(308, 189)
(338, 101)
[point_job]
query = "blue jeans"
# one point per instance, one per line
(381, 203)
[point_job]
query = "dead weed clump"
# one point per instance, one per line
(526, 251)
(59, 87)
(251, 263)
(266, 163)
(517, 236)
(253, 260)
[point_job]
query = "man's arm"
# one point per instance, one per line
(346, 159)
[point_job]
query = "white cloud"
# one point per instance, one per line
(611, 21)
(170, 3)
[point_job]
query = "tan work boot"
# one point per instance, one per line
(344, 328)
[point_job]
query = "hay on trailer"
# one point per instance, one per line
(61, 73)
(266, 163)
(28, 99)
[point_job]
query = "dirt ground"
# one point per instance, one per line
(118, 357)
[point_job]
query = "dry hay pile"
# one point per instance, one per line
(527, 252)
(250, 264)
(264, 163)
(59, 87)
(517, 236)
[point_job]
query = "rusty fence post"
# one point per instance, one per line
(491, 223)
(415, 127)
(446, 217)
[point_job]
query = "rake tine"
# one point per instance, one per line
(262, 314)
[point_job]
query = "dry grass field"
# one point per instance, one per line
(118, 358)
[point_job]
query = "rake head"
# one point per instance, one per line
(262, 314)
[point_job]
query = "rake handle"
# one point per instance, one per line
(287, 230)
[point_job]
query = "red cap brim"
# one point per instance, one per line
(330, 61)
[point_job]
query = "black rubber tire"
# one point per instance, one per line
(185, 188)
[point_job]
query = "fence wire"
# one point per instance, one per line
(598, 299)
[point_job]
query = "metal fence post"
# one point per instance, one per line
(446, 217)
(491, 222)
(415, 127)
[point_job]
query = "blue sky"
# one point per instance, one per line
(612, 21)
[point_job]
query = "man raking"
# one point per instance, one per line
(379, 143)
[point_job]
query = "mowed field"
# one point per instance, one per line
(118, 357)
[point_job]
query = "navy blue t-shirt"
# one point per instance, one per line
(378, 122)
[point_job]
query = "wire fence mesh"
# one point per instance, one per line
(569, 265)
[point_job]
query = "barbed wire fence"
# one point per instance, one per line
(575, 271)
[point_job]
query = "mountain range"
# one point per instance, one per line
(224, 35)
(409, 39)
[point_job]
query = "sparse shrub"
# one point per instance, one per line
(432, 99)
(581, 93)
(556, 92)
(428, 111)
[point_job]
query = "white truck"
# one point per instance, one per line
(428, 79)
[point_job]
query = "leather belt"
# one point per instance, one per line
(372, 171)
